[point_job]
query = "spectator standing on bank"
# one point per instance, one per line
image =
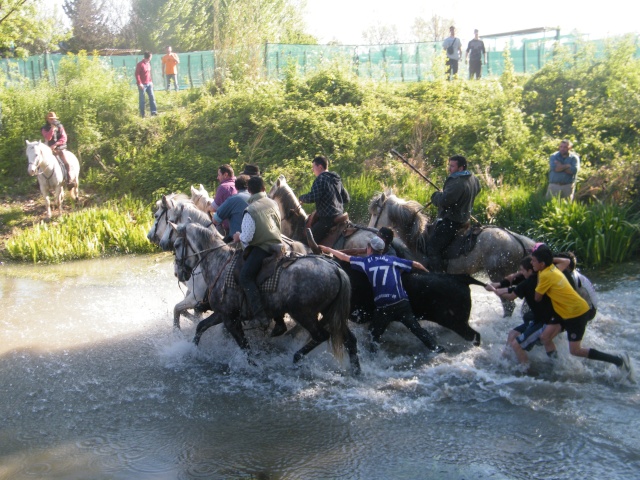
(170, 68)
(475, 54)
(453, 47)
(145, 84)
(564, 166)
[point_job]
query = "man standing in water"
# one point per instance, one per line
(391, 300)
(572, 310)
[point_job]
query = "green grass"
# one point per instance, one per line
(597, 233)
(115, 228)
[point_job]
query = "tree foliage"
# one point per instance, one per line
(29, 27)
(434, 29)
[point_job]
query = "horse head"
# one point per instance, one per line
(403, 216)
(34, 156)
(200, 198)
(292, 213)
(192, 243)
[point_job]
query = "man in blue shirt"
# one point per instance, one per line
(564, 166)
(391, 300)
(232, 209)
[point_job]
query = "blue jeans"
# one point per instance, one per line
(152, 99)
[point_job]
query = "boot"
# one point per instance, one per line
(67, 175)
(311, 242)
(254, 300)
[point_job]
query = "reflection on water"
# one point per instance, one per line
(95, 384)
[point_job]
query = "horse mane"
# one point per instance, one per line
(407, 216)
(287, 198)
(195, 214)
(203, 236)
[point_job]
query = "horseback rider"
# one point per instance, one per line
(260, 237)
(56, 137)
(454, 203)
(329, 195)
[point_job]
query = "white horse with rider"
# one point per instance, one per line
(44, 164)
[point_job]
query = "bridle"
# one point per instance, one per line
(379, 210)
(165, 210)
(182, 263)
(38, 156)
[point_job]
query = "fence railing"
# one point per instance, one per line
(409, 62)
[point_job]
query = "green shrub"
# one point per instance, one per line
(115, 228)
(597, 233)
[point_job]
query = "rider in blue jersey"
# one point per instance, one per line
(391, 300)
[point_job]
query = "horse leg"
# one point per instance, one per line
(279, 328)
(234, 327)
(211, 321)
(318, 335)
(47, 202)
(59, 194)
(182, 307)
(351, 345)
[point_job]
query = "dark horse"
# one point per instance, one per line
(438, 297)
(497, 251)
(308, 286)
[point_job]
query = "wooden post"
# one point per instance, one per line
(189, 70)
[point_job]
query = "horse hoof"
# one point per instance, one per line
(279, 329)
(297, 357)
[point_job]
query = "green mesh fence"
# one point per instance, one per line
(194, 70)
(410, 62)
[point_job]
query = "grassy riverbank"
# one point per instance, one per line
(507, 128)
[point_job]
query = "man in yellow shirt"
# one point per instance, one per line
(573, 310)
(170, 68)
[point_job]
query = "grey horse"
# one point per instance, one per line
(309, 286)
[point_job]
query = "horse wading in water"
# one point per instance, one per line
(44, 164)
(308, 286)
(496, 250)
(178, 208)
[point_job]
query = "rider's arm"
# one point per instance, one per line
(248, 230)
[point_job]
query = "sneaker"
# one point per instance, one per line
(627, 368)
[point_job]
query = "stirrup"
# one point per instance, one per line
(312, 242)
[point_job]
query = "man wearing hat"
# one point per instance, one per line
(251, 169)
(56, 137)
(392, 302)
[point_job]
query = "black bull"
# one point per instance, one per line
(441, 298)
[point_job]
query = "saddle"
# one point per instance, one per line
(342, 228)
(269, 275)
(464, 241)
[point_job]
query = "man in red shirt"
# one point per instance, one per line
(145, 84)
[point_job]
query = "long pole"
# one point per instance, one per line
(405, 161)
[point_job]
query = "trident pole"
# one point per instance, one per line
(406, 162)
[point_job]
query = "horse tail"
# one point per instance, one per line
(338, 314)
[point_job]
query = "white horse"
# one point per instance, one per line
(42, 162)
(170, 208)
(201, 198)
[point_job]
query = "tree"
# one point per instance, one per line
(380, 34)
(28, 27)
(92, 25)
(435, 29)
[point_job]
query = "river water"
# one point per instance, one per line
(94, 384)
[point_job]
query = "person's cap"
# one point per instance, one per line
(52, 115)
(377, 244)
(251, 170)
(536, 246)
